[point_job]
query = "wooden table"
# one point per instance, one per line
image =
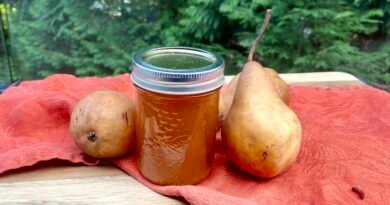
(64, 183)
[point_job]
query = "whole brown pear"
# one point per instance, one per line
(102, 124)
(261, 134)
(279, 84)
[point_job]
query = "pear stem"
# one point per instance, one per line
(260, 34)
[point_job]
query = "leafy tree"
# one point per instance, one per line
(6, 71)
(303, 35)
(82, 37)
(98, 37)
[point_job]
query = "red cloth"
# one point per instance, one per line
(346, 142)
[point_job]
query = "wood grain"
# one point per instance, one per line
(51, 171)
(321, 79)
(61, 183)
(90, 190)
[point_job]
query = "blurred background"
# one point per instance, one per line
(99, 37)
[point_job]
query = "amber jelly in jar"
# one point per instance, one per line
(177, 94)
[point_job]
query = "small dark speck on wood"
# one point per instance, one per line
(359, 192)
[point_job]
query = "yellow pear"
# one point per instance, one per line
(227, 98)
(103, 124)
(260, 133)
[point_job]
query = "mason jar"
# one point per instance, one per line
(177, 95)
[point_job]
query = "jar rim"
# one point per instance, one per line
(178, 81)
(216, 59)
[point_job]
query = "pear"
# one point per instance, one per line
(260, 133)
(280, 85)
(102, 124)
(227, 98)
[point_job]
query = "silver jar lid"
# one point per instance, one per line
(179, 78)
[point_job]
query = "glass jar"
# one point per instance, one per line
(177, 95)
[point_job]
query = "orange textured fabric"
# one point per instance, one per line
(346, 143)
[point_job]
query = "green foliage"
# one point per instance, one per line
(6, 70)
(303, 35)
(4, 73)
(82, 37)
(99, 37)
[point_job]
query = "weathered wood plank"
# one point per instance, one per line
(328, 79)
(90, 190)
